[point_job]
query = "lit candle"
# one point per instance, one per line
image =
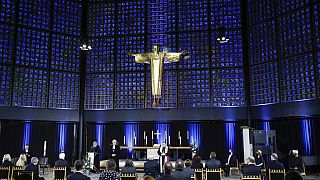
(144, 134)
(146, 140)
(188, 135)
(135, 141)
(152, 134)
(180, 140)
(124, 140)
(44, 148)
(169, 141)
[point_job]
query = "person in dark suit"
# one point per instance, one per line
(274, 163)
(251, 168)
(78, 175)
(167, 168)
(187, 169)
(63, 163)
(33, 167)
(295, 162)
(6, 161)
(196, 162)
(212, 163)
(97, 151)
(231, 162)
(115, 153)
(178, 173)
(259, 159)
(128, 167)
(151, 167)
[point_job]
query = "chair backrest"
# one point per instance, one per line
(128, 176)
(213, 174)
(277, 174)
(14, 171)
(236, 165)
(43, 160)
(26, 174)
(59, 173)
(5, 173)
(193, 177)
(250, 177)
(199, 174)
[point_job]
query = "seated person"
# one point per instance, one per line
(33, 167)
(151, 167)
(22, 160)
(259, 159)
(128, 167)
(251, 168)
(63, 163)
(187, 169)
(295, 162)
(6, 161)
(78, 174)
(178, 173)
(147, 177)
(167, 170)
(293, 175)
(196, 162)
(274, 163)
(110, 173)
(212, 163)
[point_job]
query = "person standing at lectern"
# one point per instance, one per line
(115, 153)
(96, 149)
(163, 152)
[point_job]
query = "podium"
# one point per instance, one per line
(153, 152)
(91, 157)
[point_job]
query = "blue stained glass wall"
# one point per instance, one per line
(161, 16)
(193, 15)
(5, 84)
(317, 24)
(101, 19)
(6, 43)
(7, 11)
(225, 13)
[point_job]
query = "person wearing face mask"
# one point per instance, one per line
(96, 149)
(231, 162)
(115, 152)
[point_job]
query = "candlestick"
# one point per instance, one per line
(124, 140)
(152, 134)
(44, 148)
(188, 135)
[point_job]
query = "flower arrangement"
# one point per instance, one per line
(87, 162)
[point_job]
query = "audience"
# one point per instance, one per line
(167, 168)
(78, 174)
(259, 159)
(196, 162)
(274, 163)
(128, 167)
(110, 173)
(212, 163)
(178, 173)
(33, 167)
(63, 163)
(231, 162)
(295, 162)
(22, 160)
(293, 175)
(151, 167)
(6, 161)
(251, 168)
(187, 169)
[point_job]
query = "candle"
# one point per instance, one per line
(135, 141)
(44, 148)
(144, 134)
(124, 140)
(152, 134)
(180, 140)
(146, 140)
(169, 140)
(188, 135)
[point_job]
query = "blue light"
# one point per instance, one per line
(164, 129)
(131, 131)
(306, 135)
(99, 136)
(26, 135)
(195, 134)
(230, 136)
(62, 137)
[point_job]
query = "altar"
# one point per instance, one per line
(142, 152)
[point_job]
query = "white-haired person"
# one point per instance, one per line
(251, 168)
(61, 162)
(295, 162)
(22, 160)
(6, 161)
(115, 153)
(33, 167)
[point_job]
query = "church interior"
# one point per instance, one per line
(247, 79)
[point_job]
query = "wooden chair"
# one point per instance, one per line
(59, 173)
(128, 176)
(250, 177)
(199, 174)
(213, 174)
(43, 163)
(235, 168)
(26, 174)
(193, 177)
(15, 170)
(277, 174)
(5, 173)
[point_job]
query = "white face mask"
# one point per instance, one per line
(94, 144)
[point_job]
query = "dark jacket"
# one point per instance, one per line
(34, 169)
(189, 171)
(166, 177)
(259, 160)
(213, 164)
(296, 163)
(197, 165)
(63, 163)
(275, 165)
(251, 169)
(128, 170)
(78, 176)
(151, 167)
(7, 163)
(181, 175)
(232, 162)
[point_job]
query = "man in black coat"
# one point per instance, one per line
(33, 167)
(296, 162)
(212, 163)
(95, 148)
(78, 165)
(251, 168)
(274, 163)
(167, 167)
(63, 163)
(151, 167)
(179, 173)
(231, 162)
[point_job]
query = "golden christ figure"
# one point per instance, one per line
(156, 60)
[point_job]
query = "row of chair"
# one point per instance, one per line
(11, 173)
